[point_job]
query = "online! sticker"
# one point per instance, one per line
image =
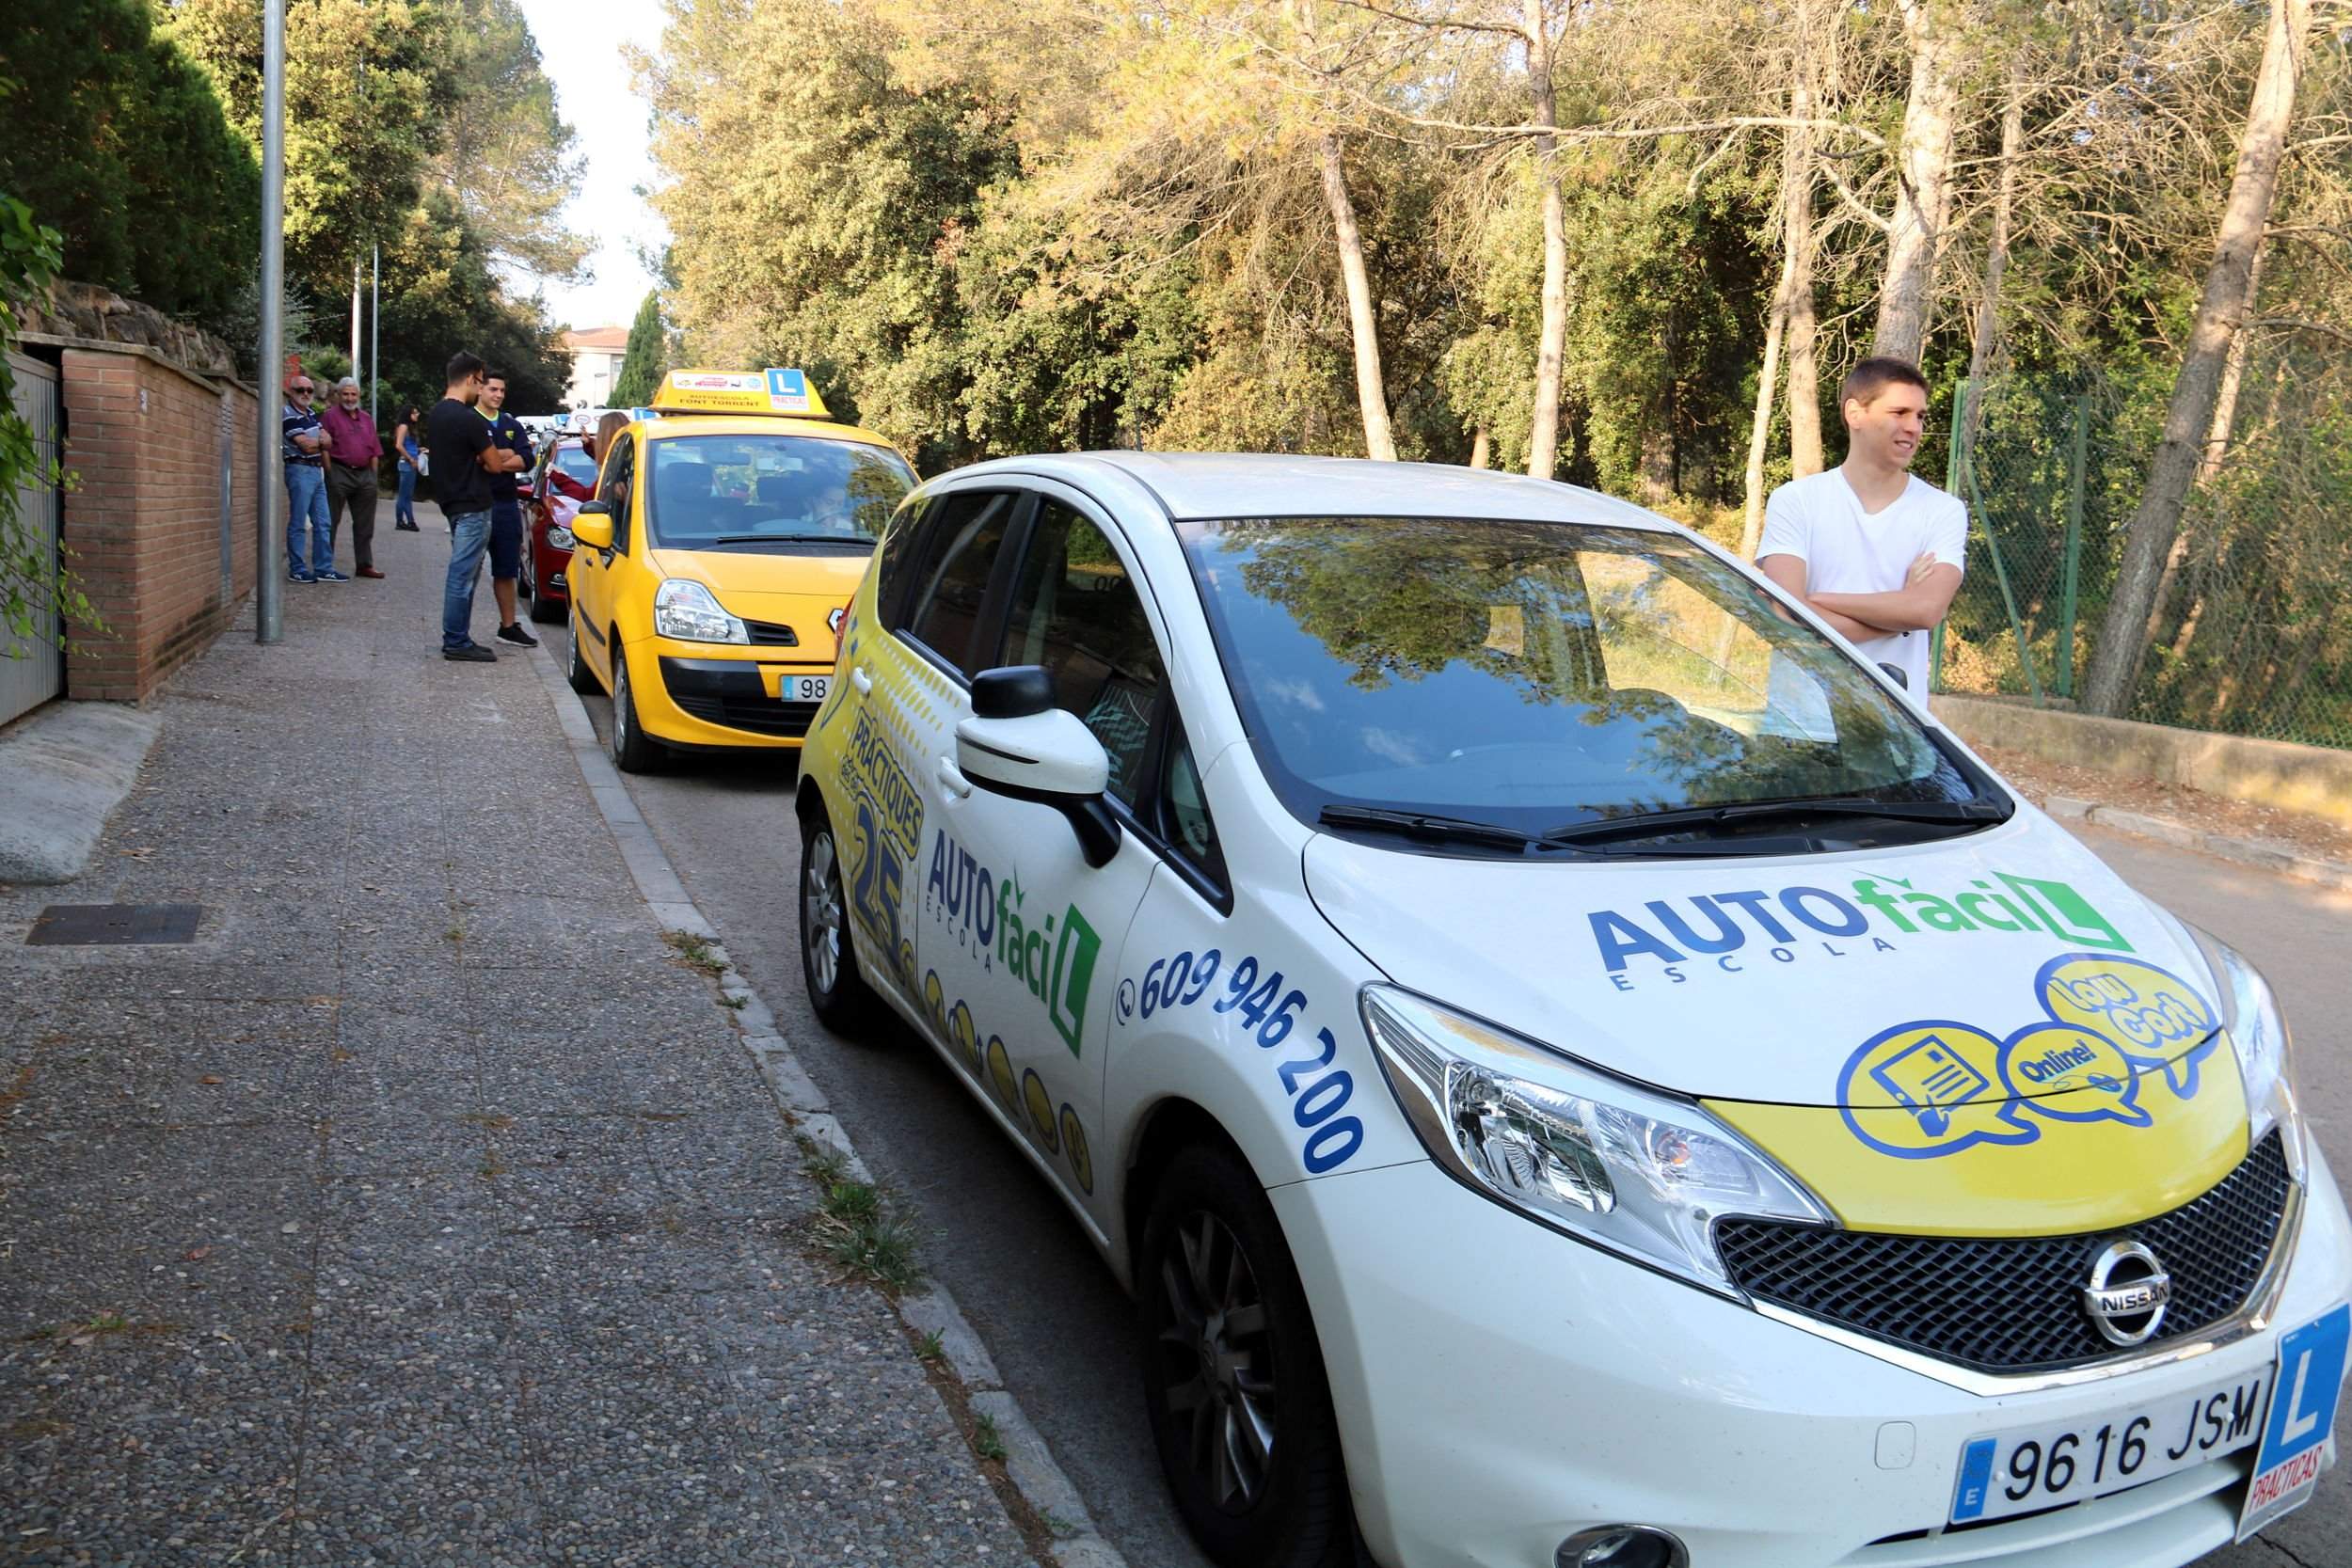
(2110, 1025)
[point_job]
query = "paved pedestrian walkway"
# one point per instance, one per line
(425, 1209)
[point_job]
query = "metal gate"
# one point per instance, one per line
(37, 674)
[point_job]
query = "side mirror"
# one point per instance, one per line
(1017, 744)
(592, 526)
(1896, 675)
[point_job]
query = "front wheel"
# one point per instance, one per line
(576, 671)
(633, 750)
(1234, 1380)
(837, 994)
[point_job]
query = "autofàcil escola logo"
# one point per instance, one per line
(1738, 930)
(2109, 1026)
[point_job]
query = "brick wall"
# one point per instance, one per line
(142, 514)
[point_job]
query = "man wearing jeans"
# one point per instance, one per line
(303, 444)
(464, 457)
(351, 454)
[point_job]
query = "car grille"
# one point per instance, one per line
(2015, 1304)
(759, 714)
(771, 634)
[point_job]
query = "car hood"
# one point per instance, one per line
(799, 591)
(1989, 1034)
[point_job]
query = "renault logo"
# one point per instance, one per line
(2127, 1293)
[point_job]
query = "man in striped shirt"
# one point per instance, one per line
(302, 442)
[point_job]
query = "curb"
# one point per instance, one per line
(2264, 853)
(1029, 1463)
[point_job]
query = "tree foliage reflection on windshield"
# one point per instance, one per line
(1536, 674)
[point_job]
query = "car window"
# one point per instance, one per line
(772, 491)
(618, 471)
(1074, 609)
(1184, 811)
(1537, 676)
(572, 459)
(895, 565)
(961, 545)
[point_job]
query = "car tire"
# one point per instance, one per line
(545, 610)
(633, 750)
(1233, 1381)
(837, 994)
(575, 670)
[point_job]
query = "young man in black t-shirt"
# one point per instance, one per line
(464, 458)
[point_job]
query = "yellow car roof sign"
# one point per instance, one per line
(774, 390)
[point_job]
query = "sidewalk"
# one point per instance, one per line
(425, 1207)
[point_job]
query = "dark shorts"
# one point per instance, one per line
(506, 541)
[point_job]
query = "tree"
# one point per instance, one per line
(115, 137)
(503, 151)
(644, 362)
(2221, 307)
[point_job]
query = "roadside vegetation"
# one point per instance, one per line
(1631, 246)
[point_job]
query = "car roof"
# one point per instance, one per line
(756, 424)
(1191, 484)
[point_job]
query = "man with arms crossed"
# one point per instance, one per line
(506, 512)
(464, 458)
(1873, 550)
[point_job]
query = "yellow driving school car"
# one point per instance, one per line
(732, 522)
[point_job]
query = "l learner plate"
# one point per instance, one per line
(2302, 1419)
(2030, 1469)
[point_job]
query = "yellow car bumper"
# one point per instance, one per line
(720, 696)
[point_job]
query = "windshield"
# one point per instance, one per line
(1534, 676)
(713, 490)
(571, 459)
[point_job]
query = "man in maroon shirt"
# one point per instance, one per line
(352, 453)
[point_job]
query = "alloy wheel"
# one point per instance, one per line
(1217, 1360)
(820, 911)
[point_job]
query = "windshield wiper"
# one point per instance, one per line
(1420, 824)
(1744, 813)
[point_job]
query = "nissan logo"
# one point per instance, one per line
(2127, 1293)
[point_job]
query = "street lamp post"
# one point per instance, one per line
(269, 501)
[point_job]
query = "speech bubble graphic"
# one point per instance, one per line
(2148, 1014)
(2072, 1075)
(1944, 1077)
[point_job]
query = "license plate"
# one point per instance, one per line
(2301, 1420)
(803, 688)
(2028, 1468)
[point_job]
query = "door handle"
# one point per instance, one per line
(951, 778)
(864, 683)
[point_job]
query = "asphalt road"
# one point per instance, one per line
(1060, 1330)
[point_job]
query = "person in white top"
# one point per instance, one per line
(1874, 551)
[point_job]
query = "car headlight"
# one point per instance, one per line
(2259, 1032)
(1639, 1173)
(559, 537)
(685, 610)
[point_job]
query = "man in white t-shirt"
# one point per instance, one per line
(1875, 550)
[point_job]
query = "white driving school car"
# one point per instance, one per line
(1578, 1071)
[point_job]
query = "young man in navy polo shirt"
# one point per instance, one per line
(506, 511)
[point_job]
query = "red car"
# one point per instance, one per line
(546, 511)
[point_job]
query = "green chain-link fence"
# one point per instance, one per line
(2252, 634)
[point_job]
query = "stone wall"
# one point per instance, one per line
(85, 310)
(2314, 778)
